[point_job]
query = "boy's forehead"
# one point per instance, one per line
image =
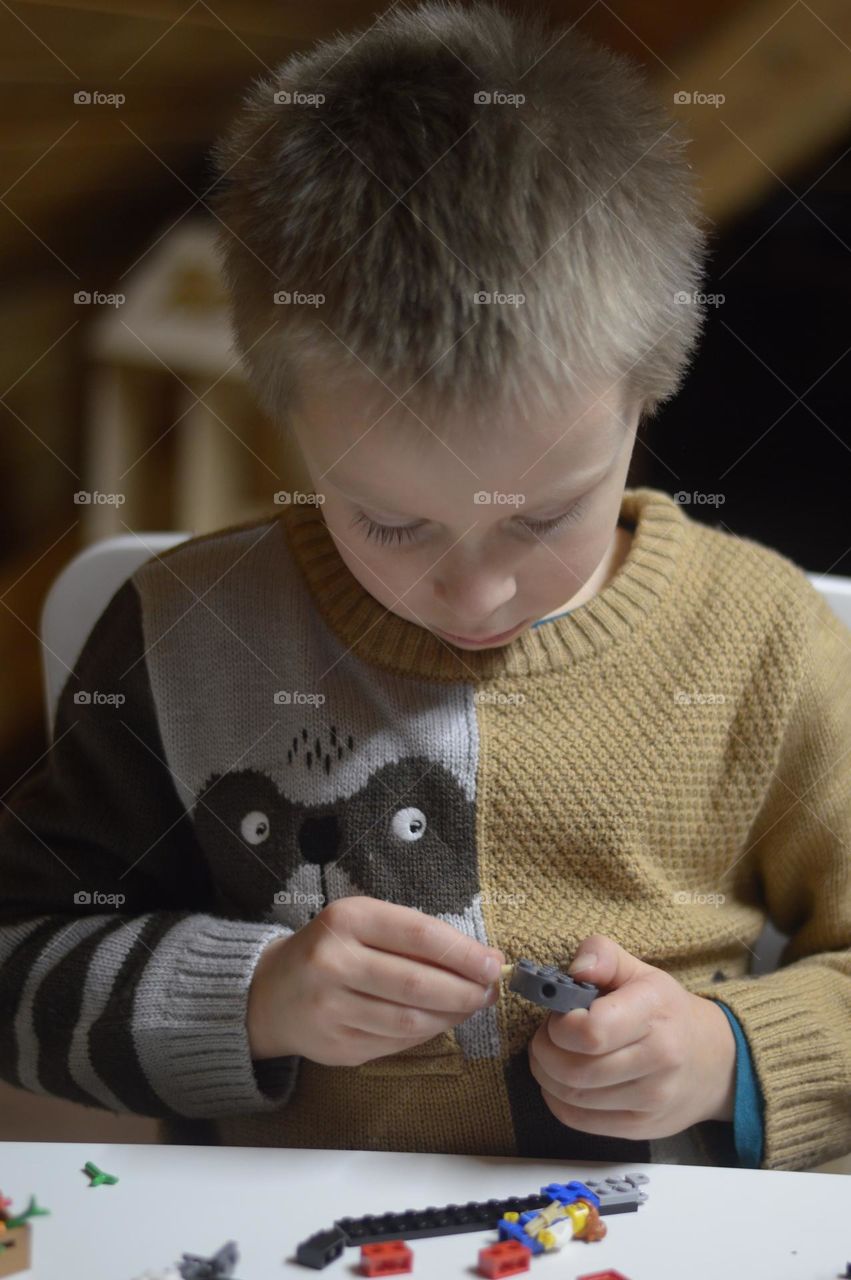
(353, 441)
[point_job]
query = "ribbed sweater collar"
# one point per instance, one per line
(378, 636)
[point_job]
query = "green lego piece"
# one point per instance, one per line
(32, 1210)
(98, 1177)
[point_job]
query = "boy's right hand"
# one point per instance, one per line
(363, 979)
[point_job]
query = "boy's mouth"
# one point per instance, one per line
(473, 640)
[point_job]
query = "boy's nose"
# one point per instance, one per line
(481, 596)
(319, 838)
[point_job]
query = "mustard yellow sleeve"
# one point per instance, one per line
(798, 1020)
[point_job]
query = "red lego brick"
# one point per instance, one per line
(389, 1258)
(603, 1275)
(505, 1259)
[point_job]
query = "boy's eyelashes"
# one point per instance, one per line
(388, 534)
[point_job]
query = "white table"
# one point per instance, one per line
(697, 1224)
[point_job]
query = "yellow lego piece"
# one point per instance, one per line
(557, 1235)
(579, 1211)
(544, 1217)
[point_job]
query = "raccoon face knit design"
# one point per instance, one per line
(407, 836)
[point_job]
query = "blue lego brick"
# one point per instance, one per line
(567, 1192)
(514, 1231)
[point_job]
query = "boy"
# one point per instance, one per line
(471, 699)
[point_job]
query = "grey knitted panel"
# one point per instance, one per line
(237, 604)
(310, 774)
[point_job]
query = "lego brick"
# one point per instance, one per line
(451, 1219)
(218, 1267)
(567, 1192)
(506, 1259)
(322, 1248)
(603, 1275)
(512, 1232)
(619, 1195)
(15, 1256)
(392, 1258)
(547, 986)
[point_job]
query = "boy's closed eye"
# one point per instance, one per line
(397, 534)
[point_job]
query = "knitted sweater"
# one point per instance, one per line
(669, 764)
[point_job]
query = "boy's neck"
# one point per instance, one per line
(616, 553)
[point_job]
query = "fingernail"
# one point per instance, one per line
(490, 969)
(491, 995)
(586, 961)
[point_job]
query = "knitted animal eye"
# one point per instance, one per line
(408, 825)
(255, 827)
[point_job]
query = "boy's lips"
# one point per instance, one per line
(502, 635)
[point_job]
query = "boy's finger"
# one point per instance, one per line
(409, 982)
(405, 931)
(614, 1083)
(395, 1021)
(613, 1021)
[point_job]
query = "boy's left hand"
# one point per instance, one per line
(648, 1058)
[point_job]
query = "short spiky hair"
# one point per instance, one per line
(401, 193)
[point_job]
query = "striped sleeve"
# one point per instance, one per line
(120, 985)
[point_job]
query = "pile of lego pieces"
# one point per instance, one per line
(527, 1225)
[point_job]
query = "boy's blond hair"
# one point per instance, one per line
(402, 194)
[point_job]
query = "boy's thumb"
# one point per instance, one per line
(604, 962)
(584, 960)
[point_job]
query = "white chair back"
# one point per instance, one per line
(78, 596)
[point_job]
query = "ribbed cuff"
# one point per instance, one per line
(802, 1070)
(747, 1103)
(189, 1019)
(275, 1076)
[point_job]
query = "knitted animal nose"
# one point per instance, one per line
(319, 839)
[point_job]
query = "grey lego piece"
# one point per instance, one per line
(322, 1247)
(621, 1194)
(219, 1267)
(547, 986)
